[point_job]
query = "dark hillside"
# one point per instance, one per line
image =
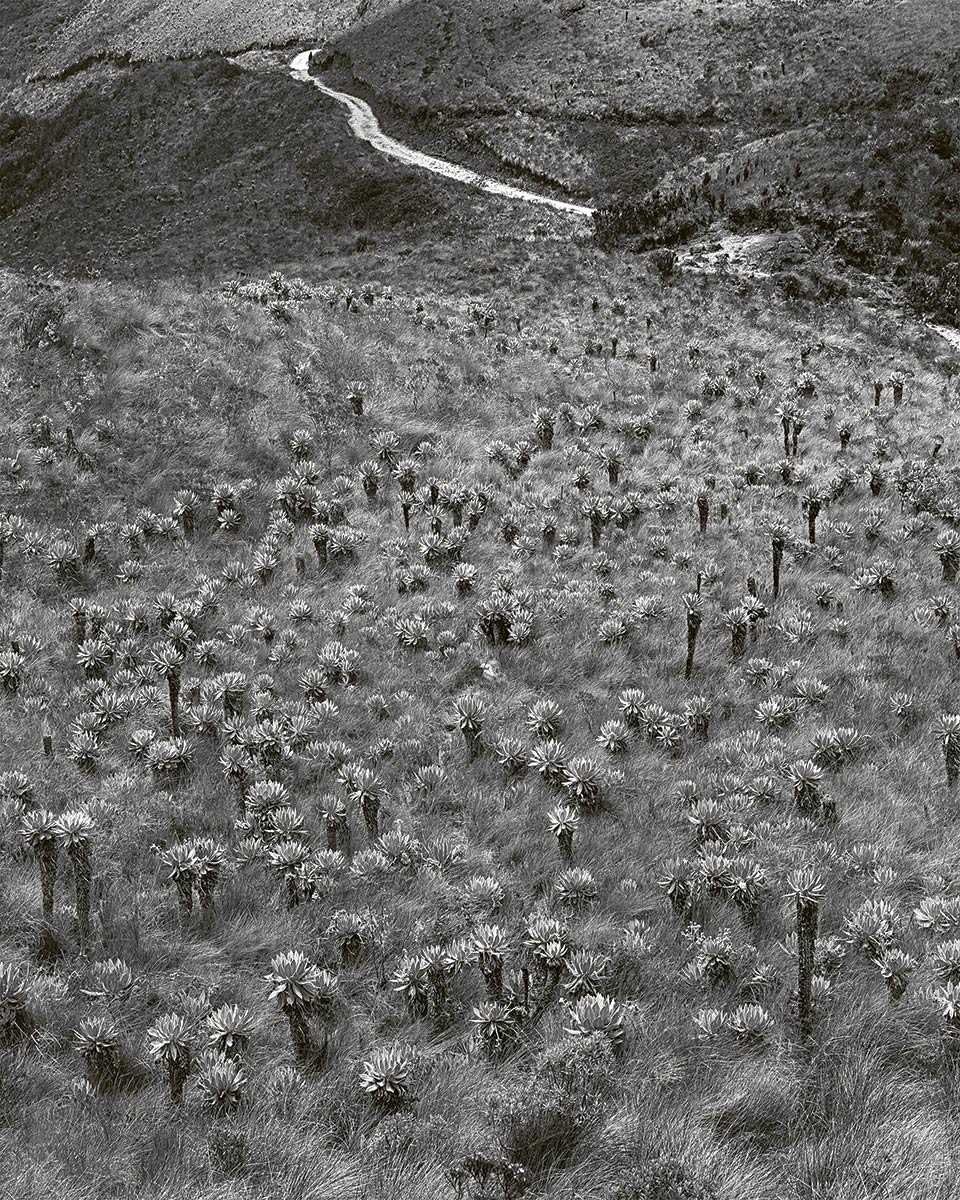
(192, 166)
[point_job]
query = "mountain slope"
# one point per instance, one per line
(599, 99)
(54, 35)
(198, 166)
(634, 87)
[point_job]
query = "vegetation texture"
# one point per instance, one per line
(446, 756)
(479, 689)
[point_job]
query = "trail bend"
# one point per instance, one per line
(365, 126)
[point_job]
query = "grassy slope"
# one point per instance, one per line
(171, 388)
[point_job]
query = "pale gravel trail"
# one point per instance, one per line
(364, 125)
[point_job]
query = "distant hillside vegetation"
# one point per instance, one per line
(48, 36)
(607, 95)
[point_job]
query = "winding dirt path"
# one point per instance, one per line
(364, 125)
